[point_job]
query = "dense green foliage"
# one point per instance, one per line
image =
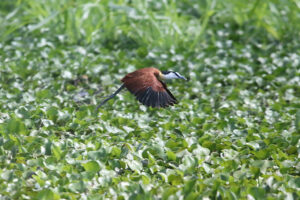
(234, 135)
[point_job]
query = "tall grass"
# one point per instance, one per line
(159, 23)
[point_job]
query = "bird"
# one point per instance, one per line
(148, 87)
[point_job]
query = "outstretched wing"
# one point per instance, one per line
(148, 89)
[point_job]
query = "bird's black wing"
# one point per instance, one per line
(150, 97)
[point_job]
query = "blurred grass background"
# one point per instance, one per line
(162, 23)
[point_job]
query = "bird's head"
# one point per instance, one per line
(171, 75)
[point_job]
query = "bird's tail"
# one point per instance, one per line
(110, 97)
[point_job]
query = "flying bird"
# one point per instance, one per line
(148, 87)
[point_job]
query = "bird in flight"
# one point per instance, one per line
(148, 87)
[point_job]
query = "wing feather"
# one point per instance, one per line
(148, 89)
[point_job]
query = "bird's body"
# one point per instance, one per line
(147, 85)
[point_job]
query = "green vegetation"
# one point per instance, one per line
(234, 135)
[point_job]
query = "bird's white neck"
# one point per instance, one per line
(171, 75)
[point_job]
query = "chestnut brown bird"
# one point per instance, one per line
(148, 87)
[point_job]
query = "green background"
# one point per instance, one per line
(234, 134)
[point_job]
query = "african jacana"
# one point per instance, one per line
(148, 87)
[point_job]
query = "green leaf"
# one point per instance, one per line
(262, 165)
(175, 179)
(115, 151)
(45, 194)
(171, 155)
(15, 126)
(258, 193)
(7, 175)
(297, 182)
(169, 192)
(91, 166)
(52, 114)
(78, 187)
(297, 120)
(56, 152)
(135, 165)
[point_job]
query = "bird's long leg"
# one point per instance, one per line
(110, 97)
